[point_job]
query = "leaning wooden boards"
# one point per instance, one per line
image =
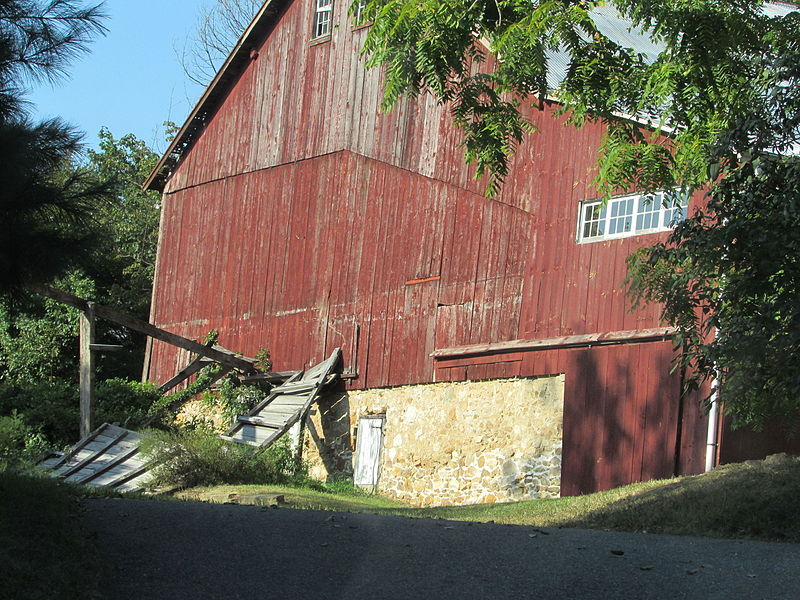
(285, 405)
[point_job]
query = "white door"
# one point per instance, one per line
(368, 452)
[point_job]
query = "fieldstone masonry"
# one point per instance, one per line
(450, 443)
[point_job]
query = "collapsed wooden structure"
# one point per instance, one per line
(286, 405)
(205, 354)
(109, 455)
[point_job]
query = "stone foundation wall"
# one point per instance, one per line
(450, 443)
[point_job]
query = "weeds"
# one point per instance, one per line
(189, 458)
(20, 444)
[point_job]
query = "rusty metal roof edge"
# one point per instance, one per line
(209, 101)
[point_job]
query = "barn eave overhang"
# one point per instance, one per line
(242, 54)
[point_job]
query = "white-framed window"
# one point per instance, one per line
(632, 214)
(362, 4)
(322, 17)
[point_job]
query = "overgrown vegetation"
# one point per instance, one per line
(219, 405)
(165, 408)
(199, 457)
(229, 400)
(49, 411)
(20, 444)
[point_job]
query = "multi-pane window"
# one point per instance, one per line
(632, 214)
(649, 212)
(362, 4)
(676, 210)
(322, 17)
(620, 220)
(593, 221)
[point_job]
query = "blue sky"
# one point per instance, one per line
(131, 81)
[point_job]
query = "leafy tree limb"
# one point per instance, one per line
(720, 96)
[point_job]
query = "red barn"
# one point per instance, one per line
(299, 217)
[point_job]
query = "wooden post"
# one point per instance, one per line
(87, 373)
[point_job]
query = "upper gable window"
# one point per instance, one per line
(322, 18)
(633, 214)
(362, 4)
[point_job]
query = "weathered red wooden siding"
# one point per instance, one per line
(298, 100)
(303, 219)
(294, 258)
(737, 445)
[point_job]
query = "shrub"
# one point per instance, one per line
(234, 399)
(51, 407)
(168, 405)
(125, 402)
(196, 457)
(20, 444)
(215, 410)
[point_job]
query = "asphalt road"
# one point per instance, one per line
(183, 550)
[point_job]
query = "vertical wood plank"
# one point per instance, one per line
(87, 370)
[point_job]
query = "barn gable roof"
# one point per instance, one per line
(607, 20)
(216, 91)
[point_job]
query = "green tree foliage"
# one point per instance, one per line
(39, 337)
(125, 231)
(489, 58)
(20, 444)
(126, 227)
(722, 116)
(49, 408)
(44, 209)
(80, 222)
(730, 276)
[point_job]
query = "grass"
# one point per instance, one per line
(757, 500)
(43, 552)
(298, 497)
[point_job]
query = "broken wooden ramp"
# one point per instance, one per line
(285, 406)
(108, 457)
